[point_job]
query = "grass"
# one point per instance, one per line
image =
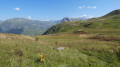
(92, 43)
(79, 51)
(97, 25)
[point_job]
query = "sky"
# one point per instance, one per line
(55, 9)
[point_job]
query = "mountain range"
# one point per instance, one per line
(30, 27)
(107, 23)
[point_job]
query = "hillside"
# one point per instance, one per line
(64, 50)
(92, 43)
(105, 24)
(113, 13)
(31, 27)
(25, 26)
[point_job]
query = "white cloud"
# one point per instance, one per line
(29, 17)
(90, 7)
(81, 7)
(17, 9)
(86, 16)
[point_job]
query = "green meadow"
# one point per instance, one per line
(91, 43)
(80, 50)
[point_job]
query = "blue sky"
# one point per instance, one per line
(55, 9)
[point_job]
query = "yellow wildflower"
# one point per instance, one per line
(12, 51)
(41, 57)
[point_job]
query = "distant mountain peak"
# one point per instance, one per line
(65, 19)
(1, 21)
(83, 17)
(17, 19)
(86, 16)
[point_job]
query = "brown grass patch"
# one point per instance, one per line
(105, 38)
(80, 32)
(19, 52)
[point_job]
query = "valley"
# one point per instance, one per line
(91, 43)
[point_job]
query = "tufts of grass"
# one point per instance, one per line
(79, 51)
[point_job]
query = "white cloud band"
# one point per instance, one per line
(17, 9)
(88, 7)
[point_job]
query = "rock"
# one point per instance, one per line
(60, 48)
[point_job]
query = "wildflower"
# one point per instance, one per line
(41, 57)
(12, 51)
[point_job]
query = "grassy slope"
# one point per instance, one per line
(79, 51)
(103, 24)
(95, 49)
